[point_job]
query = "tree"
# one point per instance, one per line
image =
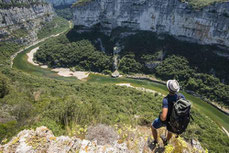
(174, 67)
(3, 86)
(128, 64)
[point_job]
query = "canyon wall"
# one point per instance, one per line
(61, 2)
(208, 25)
(21, 21)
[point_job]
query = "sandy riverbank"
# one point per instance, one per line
(65, 72)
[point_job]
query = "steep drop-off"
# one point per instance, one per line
(209, 25)
(21, 21)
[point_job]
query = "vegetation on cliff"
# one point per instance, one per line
(80, 2)
(64, 12)
(57, 25)
(197, 4)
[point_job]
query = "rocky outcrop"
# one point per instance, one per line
(102, 139)
(21, 23)
(43, 140)
(209, 25)
(61, 2)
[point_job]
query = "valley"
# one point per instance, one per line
(96, 81)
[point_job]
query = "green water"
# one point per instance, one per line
(20, 62)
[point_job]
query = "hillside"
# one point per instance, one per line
(45, 111)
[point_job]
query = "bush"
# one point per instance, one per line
(7, 129)
(129, 65)
(174, 67)
(4, 89)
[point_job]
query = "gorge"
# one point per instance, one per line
(207, 25)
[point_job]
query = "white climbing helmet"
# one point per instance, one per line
(173, 85)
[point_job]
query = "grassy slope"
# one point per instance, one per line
(202, 3)
(54, 27)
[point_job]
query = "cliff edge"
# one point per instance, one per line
(102, 139)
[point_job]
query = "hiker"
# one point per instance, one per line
(164, 116)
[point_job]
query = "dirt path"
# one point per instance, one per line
(139, 88)
(225, 131)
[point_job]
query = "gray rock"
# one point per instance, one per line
(42, 140)
(196, 144)
(103, 134)
(209, 25)
(28, 19)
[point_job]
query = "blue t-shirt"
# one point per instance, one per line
(171, 98)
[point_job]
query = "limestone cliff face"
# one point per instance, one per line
(209, 25)
(23, 21)
(61, 2)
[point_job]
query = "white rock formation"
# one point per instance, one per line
(28, 18)
(209, 25)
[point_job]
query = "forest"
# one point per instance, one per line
(80, 55)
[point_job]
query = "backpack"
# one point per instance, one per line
(180, 116)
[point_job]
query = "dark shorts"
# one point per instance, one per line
(158, 124)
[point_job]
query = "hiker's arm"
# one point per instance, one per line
(163, 114)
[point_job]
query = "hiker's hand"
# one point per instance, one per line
(160, 118)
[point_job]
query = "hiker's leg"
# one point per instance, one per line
(169, 136)
(154, 132)
(156, 125)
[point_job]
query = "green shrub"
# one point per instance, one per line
(197, 4)
(4, 88)
(8, 129)
(128, 64)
